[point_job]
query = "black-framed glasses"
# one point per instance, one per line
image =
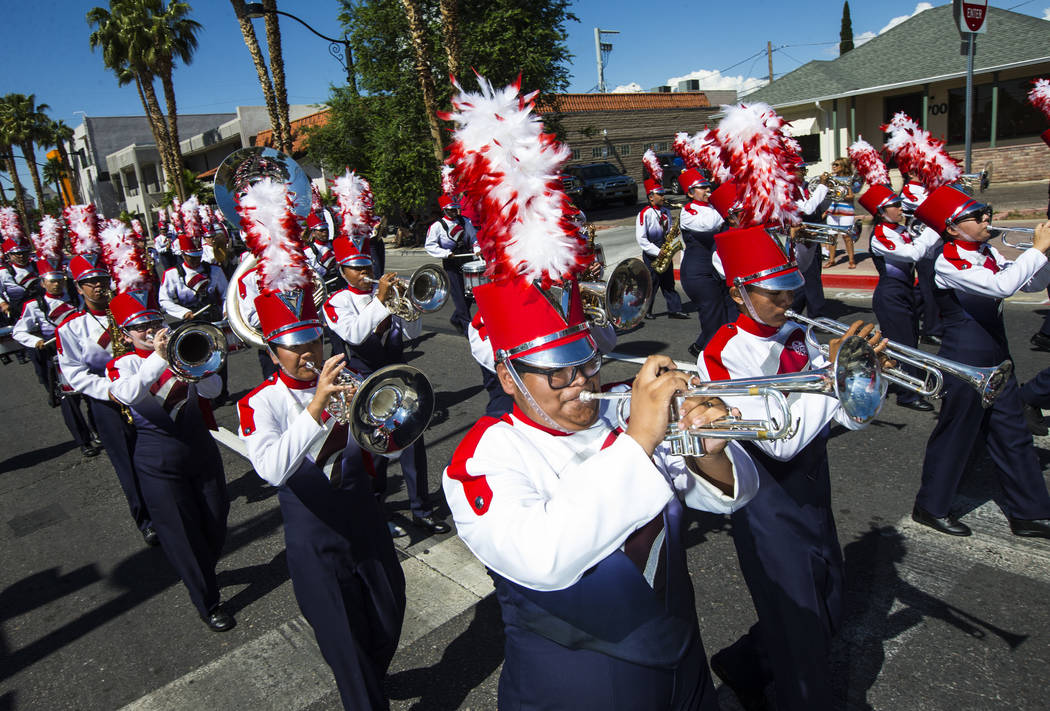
(985, 213)
(143, 327)
(559, 378)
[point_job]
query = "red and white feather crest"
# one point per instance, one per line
(448, 183)
(191, 219)
(10, 225)
(49, 240)
(316, 204)
(509, 169)
(868, 162)
(919, 154)
(83, 229)
(125, 257)
(356, 204)
(1039, 96)
(272, 232)
(762, 159)
(652, 164)
(136, 227)
(683, 146)
(707, 147)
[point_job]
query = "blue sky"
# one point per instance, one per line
(44, 48)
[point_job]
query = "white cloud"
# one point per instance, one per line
(714, 80)
(858, 40)
(1046, 14)
(921, 7)
(632, 88)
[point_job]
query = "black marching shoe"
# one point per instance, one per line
(218, 620)
(751, 699)
(1031, 528)
(90, 450)
(431, 524)
(931, 340)
(1033, 418)
(949, 524)
(678, 315)
(150, 537)
(1040, 341)
(695, 350)
(920, 405)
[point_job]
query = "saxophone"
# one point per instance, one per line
(672, 245)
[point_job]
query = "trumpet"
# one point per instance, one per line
(854, 379)
(196, 349)
(1001, 233)
(622, 300)
(973, 183)
(820, 233)
(988, 381)
(425, 292)
(389, 409)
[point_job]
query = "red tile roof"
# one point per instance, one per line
(579, 103)
(265, 138)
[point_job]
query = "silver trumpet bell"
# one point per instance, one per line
(854, 379)
(621, 300)
(196, 349)
(428, 288)
(820, 233)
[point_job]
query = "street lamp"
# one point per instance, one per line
(255, 10)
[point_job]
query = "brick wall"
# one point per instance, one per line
(1011, 164)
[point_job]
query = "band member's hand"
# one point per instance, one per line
(651, 393)
(187, 316)
(386, 283)
(5, 307)
(160, 343)
(699, 411)
(865, 331)
(1041, 238)
(41, 344)
(327, 386)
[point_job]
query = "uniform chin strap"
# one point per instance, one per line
(547, 420)
(747, 305)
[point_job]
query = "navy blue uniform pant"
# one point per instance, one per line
(894, 305)
(931, 315)
(962, 421)
(69, 403)
(461, 315)
(184, 485)
(346, 576)
(708, 291)
(666, 284)
(1045, 328)
(414, 469)
(1036, 392)
(791, 561)
(810, 296)
(118, 437)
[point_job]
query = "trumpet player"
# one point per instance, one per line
(785, 537)
(345, 574)
(175, 457)
(654, 222)
(374, 338)
(192, 284)
(894, 301)
(453, 240)
(972, 280)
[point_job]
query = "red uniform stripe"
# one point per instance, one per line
(475, 488)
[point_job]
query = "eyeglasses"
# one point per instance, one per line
(143, 327)
(560, 378)
(982, 215)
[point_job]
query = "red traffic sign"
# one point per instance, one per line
(970, 15)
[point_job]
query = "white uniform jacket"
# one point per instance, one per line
(278, 431)
(175, 294)
(977, 268)
(747, 349)
(893, 244)
(653, 224)
(912, 195)
(541, 507)
(142, 381)
(699, 217)
(84, 349)
(320, 257)
(804, 252)
(444, 234)
(354, 316)
(33, 326)
(14, 281)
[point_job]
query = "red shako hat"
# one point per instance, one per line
(724, 198)
(130, 308)
(87, 266)
(10, 246)
(692, 178)
(878, 196)
(83, 238)
(48, 242)
(447, 202)
(314, 222)
(653, 186)
(945, 207)
(753, 255)
(348, 254)
(285, 304)
(509, 168)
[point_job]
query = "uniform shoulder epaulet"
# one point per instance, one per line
(245, 412)
(712, 353)
(475, 487)
(688, 207)
(951, 253)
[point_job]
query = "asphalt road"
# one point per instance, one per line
(92, 619)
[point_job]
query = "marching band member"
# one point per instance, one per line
(162, 242)
(18, 278)
(345, 573)
(177, 462)
(972, 280)
(654, 222)
(912, 194)
(452, 239)
(85, 345)
(841, 211)
(192, 284)
(809, 296)
(374, 337)
(699, 222)
(573, 517)
(40, 319)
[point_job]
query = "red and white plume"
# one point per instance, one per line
(136, 227)
(762, 159)
(316, 205)
(219, 217)
(354, 196)
(707, 147)
(83, 229)
(191, 218)
(683, 146)
(868, 162)
(162, 220)
(1039, 96)
(272, 231)
(919, 154)
(508, 168)
(652, 164)
(448, 183)
(125, 257)
(49, 240)
(10, 225)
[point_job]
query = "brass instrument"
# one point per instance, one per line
(973, 183)
(596, 269)
(389, 409)
(820, 233)
(1001, 233)
(854, 379)
(425, 292)
(196, 349)
(988, 381)
(622, 300)
(672, 245)
(839, 186)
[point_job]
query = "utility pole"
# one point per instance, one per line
(601, 48)
(769, 56)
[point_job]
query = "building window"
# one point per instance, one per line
(810, 145)
(625, 149)
(982, 114)
(598, 152)
(910, 104)
(1016, 117)
(661, 146)
(575, 154)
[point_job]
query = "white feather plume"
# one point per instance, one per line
(272, 232)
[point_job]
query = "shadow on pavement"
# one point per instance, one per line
(27, 460)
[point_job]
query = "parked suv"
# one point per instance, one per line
(602, 183)
(572, 187)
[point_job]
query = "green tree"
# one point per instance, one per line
(23, 123)
(846, 33)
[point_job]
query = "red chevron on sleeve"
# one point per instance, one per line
(475, 488)
(712, 355)
(951, 253)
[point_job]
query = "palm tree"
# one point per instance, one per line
(58, 135)
(418, 33)
(450, 37)
(25, 124)
(280, 91)
(8, 152)
(252, 42)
